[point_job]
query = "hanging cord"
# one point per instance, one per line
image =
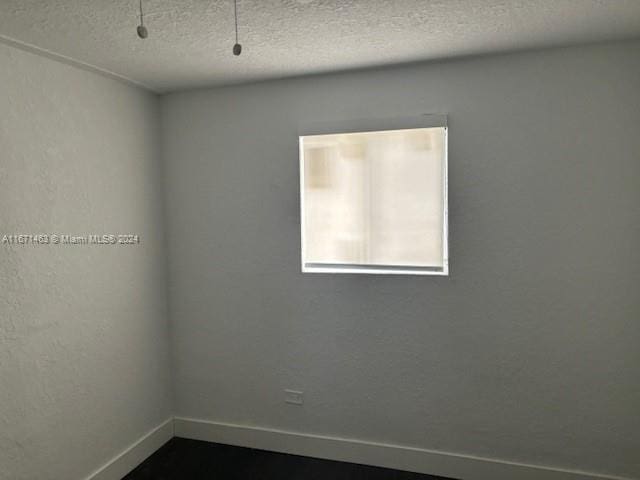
(142, 30)
(235, 15)
(237, 48)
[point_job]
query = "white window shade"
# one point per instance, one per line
(375, 201)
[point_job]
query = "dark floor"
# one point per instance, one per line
(181, 459)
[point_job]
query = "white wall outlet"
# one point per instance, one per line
(294, 397)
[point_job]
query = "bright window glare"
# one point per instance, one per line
(374, 202)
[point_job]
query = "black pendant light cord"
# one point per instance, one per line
(235, 15)
(237, 48)
(142, 30)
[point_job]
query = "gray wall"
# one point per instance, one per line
(84, 354)
(528, 351)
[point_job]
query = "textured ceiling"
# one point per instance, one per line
(190, 41)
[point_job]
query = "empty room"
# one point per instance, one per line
(320, 239)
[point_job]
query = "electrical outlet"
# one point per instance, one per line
(294, 397)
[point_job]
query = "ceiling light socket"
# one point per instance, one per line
(142, 31)
(237, 49)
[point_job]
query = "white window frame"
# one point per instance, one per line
(376, 125)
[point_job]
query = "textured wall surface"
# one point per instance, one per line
(190, 41)
(528, 351)
(83, 329)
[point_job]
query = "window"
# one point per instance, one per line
(374, 200)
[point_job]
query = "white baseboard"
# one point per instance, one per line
(461, 467)
(135, 454)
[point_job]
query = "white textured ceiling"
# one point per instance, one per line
(190, 41)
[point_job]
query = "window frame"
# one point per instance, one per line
(377, 125)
